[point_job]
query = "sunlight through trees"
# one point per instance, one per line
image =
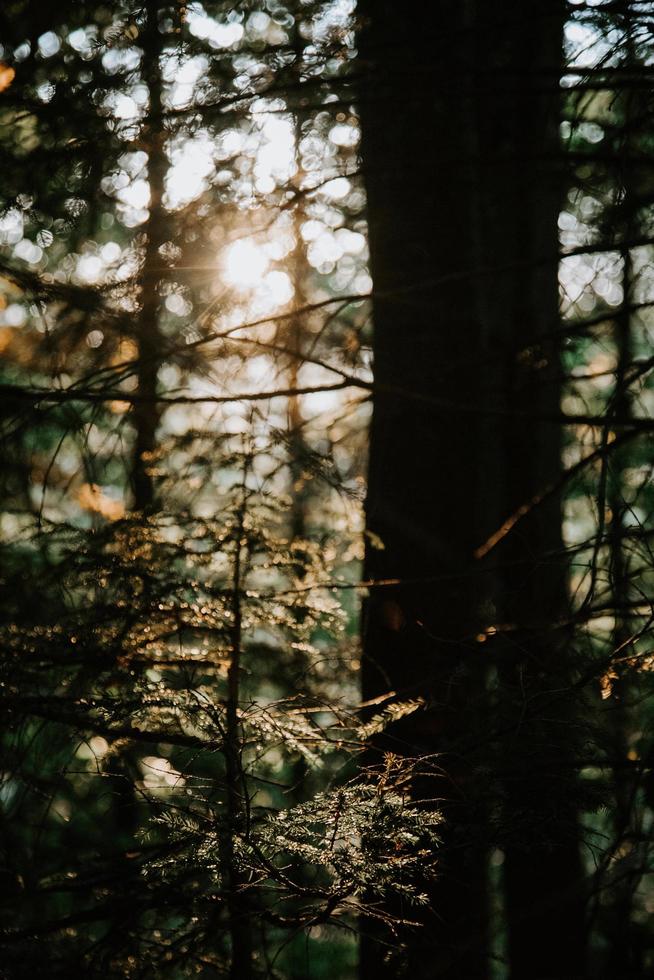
(326, 417)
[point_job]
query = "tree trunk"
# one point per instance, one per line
(522, 169)
(423, 483)
(625, 954)
(148, 338)
(236, 791)
(459, 115)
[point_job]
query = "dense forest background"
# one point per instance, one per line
(326, 413)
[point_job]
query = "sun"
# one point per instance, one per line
(245, 264)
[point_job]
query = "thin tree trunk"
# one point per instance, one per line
(624, 956)
(240, 925)
(625, 952)
(148, 342)
(294, 339)
(298, 267)
(148, 337)
(122, 767)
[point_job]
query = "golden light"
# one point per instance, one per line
(245, 264)
(91, 498)
(7, 75)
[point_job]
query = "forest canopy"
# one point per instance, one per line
(326, 414)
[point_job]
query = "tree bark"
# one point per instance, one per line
(543, 876)
(236, 793)
(625, 953)
(423, 483)
(148, 337)
(460, 114)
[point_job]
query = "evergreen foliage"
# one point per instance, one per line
(191, 782)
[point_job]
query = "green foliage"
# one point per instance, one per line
(122, 681)
(185, 763)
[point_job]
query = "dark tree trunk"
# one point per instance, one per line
(459, 115)
(625, 954)
(122, 767)
(542, 868)
(236, 798)
(148, 337)
(423, 501)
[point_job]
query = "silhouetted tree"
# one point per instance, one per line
(460, 113)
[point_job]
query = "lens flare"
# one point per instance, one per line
(245, 264)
